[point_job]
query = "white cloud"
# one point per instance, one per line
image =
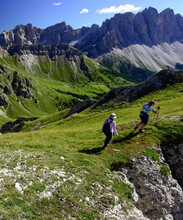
(84, 11)
(57, 4)
(120, 9)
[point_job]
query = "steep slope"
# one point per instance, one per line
(40, 80)
(59, 171)
(145, 58)
(130, 93)
(61, 62)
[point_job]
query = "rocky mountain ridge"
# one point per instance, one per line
(124, 31)
(54, 35)
(130, 93)
(147, 27)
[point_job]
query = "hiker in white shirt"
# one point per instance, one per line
(109, 128)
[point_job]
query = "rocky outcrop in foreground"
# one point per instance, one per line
(158, 195)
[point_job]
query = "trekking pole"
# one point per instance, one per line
(157, 114)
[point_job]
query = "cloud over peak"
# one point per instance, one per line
(84, 11)
(57, 3)
(119, 9)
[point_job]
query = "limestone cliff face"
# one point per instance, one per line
(14, 84)
(60, 50)
(21, 34)
(62, 34)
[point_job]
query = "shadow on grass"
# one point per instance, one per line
(118, 140)
(125, 138)
(118, 166)
(92, 150)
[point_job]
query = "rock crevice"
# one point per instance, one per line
(174, 157)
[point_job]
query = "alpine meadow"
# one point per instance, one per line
(58, 85)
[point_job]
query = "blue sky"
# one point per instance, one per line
(77, 13)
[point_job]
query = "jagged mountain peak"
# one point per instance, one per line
(59, 26)
(150, 10)
(167, 11)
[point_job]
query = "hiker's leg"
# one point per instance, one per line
(145, 121)
(138, 125)
(142, 127)
(108, 139)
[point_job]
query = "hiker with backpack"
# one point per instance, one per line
(109, 128)
(144, 115)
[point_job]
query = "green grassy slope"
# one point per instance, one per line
(56, 86)
(59, 171)
(127, 70)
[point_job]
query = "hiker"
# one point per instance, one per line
(109, 128)
(144, 115)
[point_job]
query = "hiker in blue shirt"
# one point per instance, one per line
(144, 114)
(108, 128)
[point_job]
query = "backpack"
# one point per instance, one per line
(106, 127)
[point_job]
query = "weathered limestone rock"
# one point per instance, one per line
(147, 27)
(20, 86)
(159, 196)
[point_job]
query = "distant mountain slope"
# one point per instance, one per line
(153, 58)
(60, 62)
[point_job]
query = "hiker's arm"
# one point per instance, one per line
(155, 112)
(114, 128)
